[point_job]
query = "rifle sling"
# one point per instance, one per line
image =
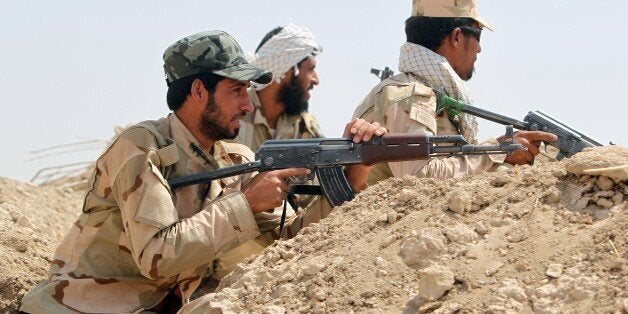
(282, 222)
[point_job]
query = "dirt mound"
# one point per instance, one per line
(546, 238)
(531, 239)
(33, 219)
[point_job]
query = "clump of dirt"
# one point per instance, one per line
(33, 220)
(547, 238)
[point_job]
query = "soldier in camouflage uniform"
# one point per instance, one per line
(443, 40)
(139, 246)
(281, 106)
(280, 112)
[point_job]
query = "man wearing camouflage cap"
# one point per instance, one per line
(443, 40)
(140, 246)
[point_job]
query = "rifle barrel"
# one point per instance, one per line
(495, 117)
(447, 101)
(220, 173)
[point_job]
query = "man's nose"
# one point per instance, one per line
(246, 104)
(314, 78)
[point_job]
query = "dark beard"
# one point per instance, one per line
(293, 97)
(468, 75)
(209, 117)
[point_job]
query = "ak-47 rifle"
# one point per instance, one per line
(326, 156)
(569, 140)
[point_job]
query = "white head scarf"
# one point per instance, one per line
(284, 51)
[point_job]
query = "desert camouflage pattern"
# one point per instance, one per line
(255, 130)
(449, 8)
(135, 241)
(214, 51)
(402, 104)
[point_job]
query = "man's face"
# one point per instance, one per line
(224, 110)
(295, 93)
(467, 52)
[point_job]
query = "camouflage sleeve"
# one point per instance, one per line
(417, 114)
(161, 244)
(310, 128)
(412, 109)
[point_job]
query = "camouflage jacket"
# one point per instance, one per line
(403, 104)
(255, 130)
(135, 240)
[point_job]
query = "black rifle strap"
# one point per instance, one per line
(293, 201)
(283, 218)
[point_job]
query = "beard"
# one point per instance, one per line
(293, 96)
(468, 74)
(210, 119)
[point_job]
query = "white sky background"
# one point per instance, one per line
(72, 70)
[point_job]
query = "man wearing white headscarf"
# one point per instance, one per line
(279, 112)
(280, 107)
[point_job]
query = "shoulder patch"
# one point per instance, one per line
(239, 150)
(402, 86)
(422, 90)
(397, 93)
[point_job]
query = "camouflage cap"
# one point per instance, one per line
(215, 52)
(449, 8)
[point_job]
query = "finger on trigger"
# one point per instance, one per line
(529, 146)
(292, 172)
(541, 136)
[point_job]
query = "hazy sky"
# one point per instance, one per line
(72, 70)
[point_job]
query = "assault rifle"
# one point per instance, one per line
(569, 140)
(326, 156)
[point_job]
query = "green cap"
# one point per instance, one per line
(215, 52)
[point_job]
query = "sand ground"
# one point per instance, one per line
(548, 238)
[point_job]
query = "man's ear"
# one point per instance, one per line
(197, 90)
(456, 36)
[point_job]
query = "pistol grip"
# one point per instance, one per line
(334, 184)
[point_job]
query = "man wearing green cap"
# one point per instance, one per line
(443, 41)
(140, 246)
